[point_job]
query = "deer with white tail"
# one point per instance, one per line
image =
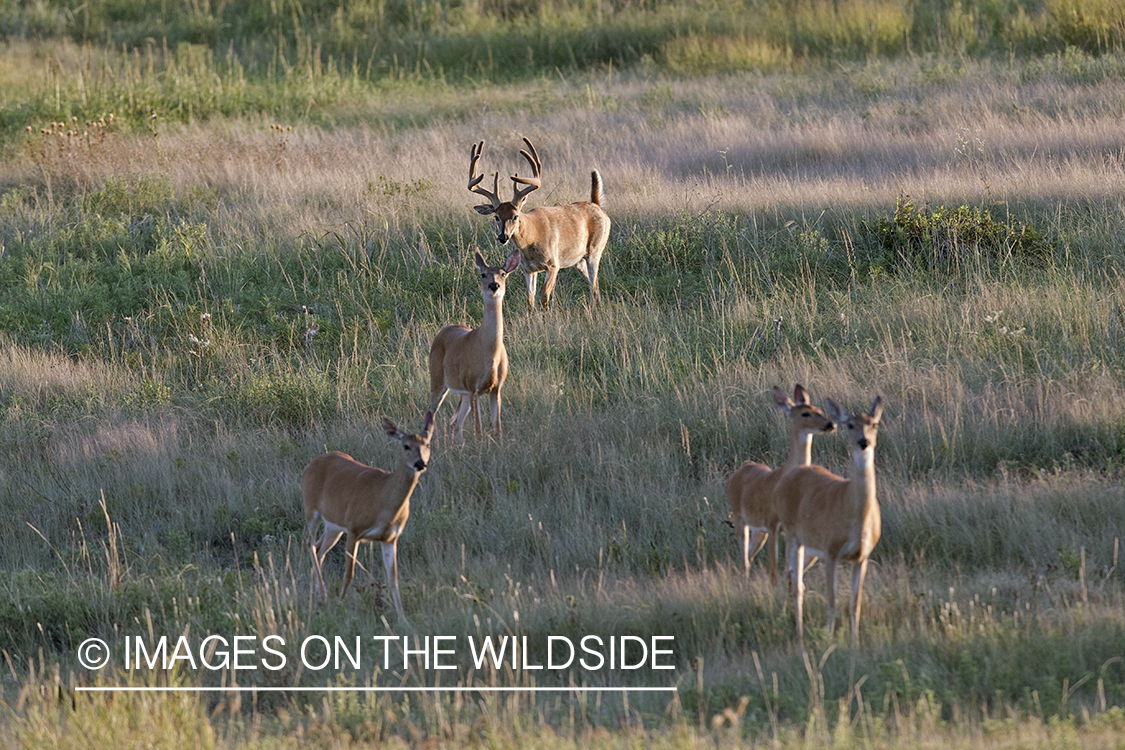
(750, 489)
(367, 504)
(834, 518)
(549, 237)
(472, 362)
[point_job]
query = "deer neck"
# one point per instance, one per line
(862, 485)
(492, 325)
(402, 483)
(527, 233)
(800, 448)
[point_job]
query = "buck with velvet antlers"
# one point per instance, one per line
(548, 237)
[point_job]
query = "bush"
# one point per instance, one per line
(949, 241)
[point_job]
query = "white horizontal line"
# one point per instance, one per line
(338, 689)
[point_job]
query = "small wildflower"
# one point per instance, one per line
(205, 318)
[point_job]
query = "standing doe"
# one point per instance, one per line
(750, 489)
(832, 517)
(548, 237)
(472, 362)
(368, 504)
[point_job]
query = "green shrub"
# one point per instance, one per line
(947, 241)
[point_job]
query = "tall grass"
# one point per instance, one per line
(193, 60)
(195, 306)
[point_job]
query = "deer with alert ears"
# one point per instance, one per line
(367, 504)
(549, 237)
(834, 518)
(750, 489)
(474, 362)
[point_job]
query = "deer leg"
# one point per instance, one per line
(349, 561)
(797, 571)
(532, 282)
(495, 400)
(390, 562)
(773, 554)
(830, 574)
(754, 542)
(310, 530)
(549, 286)
(458, 420)
(327, 541)
(475, 408)
(746, 549)
(436, 399)
(592, 262)
(859, 571)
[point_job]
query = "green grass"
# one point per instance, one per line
(318, 60)
(193, 307)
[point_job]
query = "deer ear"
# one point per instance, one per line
(391, 429)
(428, 425)
(485, 209)
(513, 262)
(782, 400)
(481, 264)
(799, 395)
(876, 408)
(835, 411)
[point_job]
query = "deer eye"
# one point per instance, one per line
(406, 447)
(804, 414)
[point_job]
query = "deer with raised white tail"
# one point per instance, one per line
(472, 362)
(750, 489)
(549, 237)
(367, 504)
(831, 517)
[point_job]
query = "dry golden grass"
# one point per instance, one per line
(601, 508)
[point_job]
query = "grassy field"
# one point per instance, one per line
(196, 304)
